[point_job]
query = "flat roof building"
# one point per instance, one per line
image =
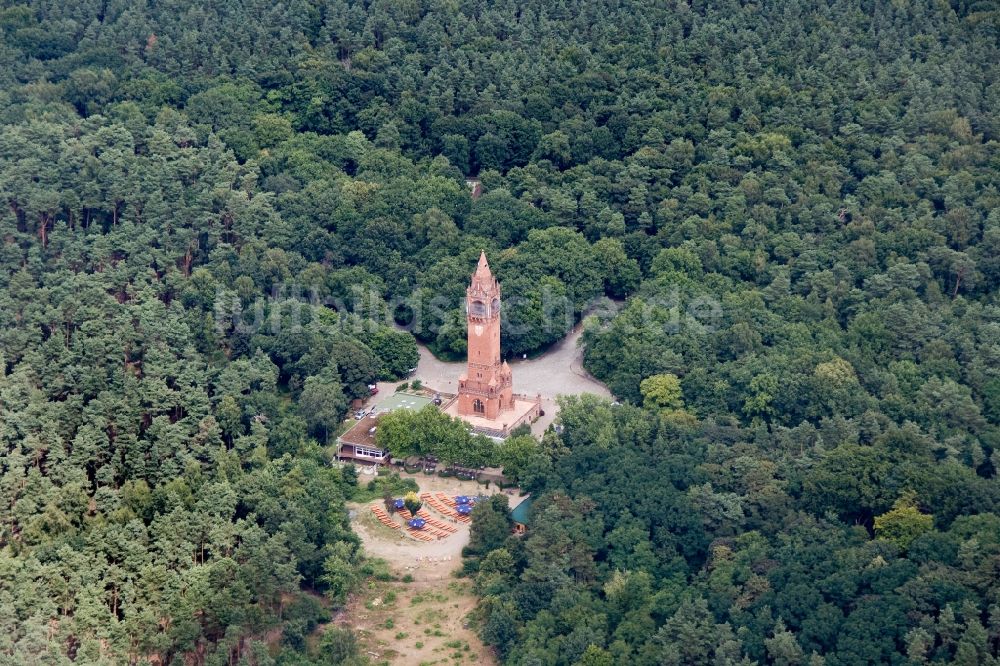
(358, 443)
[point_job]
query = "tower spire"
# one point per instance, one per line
(482, 279)
(483, 268)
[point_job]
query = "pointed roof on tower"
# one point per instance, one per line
(482, 279)
(483, 269)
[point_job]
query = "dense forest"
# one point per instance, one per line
(214, 213)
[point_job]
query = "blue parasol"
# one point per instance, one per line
(463, 509)
(417, 523)
(462, 499)
(398, 503)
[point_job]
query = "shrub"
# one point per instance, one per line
(412, 502)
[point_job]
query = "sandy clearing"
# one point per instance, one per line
(423, 621)
(402, 552)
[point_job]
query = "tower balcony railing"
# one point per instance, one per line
(483, 393)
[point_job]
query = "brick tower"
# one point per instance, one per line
(484, 390)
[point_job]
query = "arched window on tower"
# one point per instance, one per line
(477, 309)
(495, 307)
(478, 407)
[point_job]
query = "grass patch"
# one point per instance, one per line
(433, 616)
(378, 569)
(428, 597)
(389, 482)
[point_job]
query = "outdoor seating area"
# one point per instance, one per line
(425, 524)
(465, 473)
(429, 525)
(414, 464)
(443, 508)
(458, 508)
(419, 534)
(384, 518)
(434, 522)
(431, 465)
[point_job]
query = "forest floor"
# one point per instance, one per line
(419, 622)
(422, 617)
(557, 371)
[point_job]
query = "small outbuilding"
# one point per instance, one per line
(520, 515)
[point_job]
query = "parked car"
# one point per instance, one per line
(360, 414)
(372, 389)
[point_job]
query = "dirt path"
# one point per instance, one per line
(421, 618)
(419, 622)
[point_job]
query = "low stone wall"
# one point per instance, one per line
(533, 414)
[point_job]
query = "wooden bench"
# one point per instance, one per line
(452, 507)
(442, 508)
(431, 526)
(384, 518)
(431, 520)
(419, 535)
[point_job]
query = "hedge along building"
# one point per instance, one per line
(486, 398)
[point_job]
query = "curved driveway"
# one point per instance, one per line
(558, 371)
